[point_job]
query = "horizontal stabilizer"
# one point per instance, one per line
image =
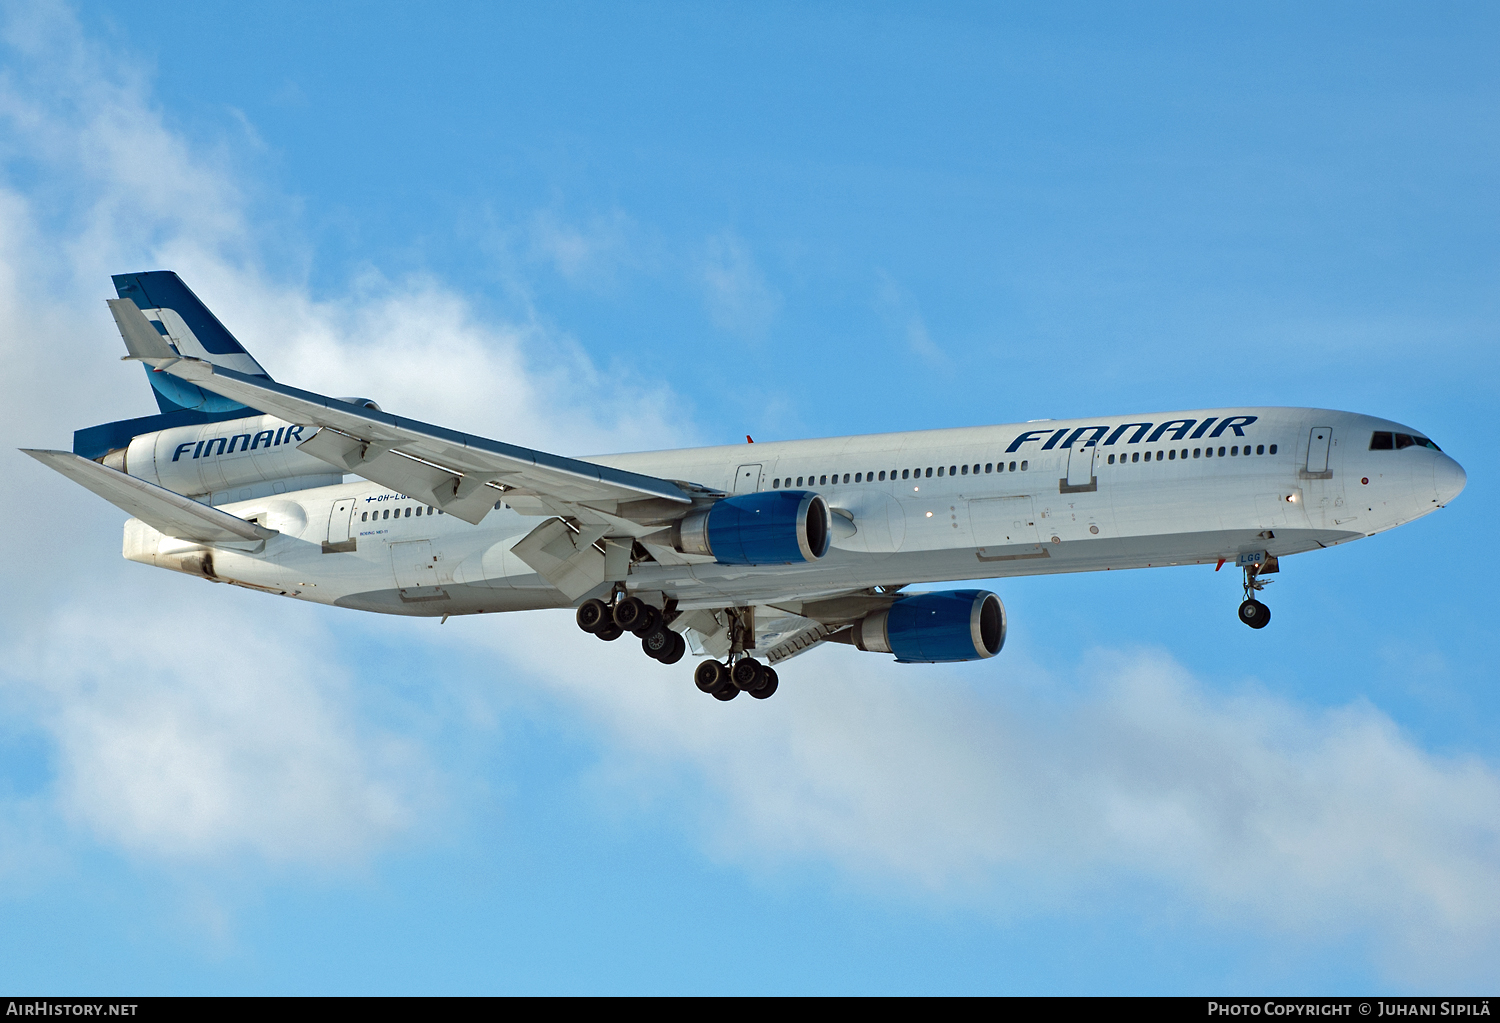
(161, 509)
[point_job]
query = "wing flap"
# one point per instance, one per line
(161, 509)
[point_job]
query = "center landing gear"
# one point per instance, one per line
(746, 675)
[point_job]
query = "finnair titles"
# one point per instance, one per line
(745, 555)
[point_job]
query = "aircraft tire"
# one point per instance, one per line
(650, 621)
(1255, 614)
(628, 613)
(768, 687)
(679, 647)
(609, 632)
(726, 693)
(592, 614)
(747, 674)
(658, 644)
(710, 675)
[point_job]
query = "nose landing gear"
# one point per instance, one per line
(1252, 612)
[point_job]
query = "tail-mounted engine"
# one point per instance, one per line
(774, 527)
(953, 625)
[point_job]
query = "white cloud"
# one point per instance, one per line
(736, 293)
(165, 746)
(1250, 808)
(1026, 793)
(900, 310)
(170, 748)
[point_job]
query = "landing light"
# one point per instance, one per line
(929, 515)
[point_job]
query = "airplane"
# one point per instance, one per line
(748, 555)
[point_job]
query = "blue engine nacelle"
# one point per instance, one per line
(773, 527)
(954, 625)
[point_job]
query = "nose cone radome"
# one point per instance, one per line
(1449, 478)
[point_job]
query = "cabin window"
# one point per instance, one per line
(1111, 459)
(1260, 449)
(846, 477)
(365, 517)
(952, 470)
(1023, 465)
(1184, 452)
(799, 481)
(387, 514)
(964, 471)
(776, 483)
(1197, 452)
(1221, 452)
(1236, 450)
(940, 471)
(858, 477)
(905, 473)
(929, 472)
(1172, 455)
(989, 466)
(882, 475)
(408, 513)
(1273, 449)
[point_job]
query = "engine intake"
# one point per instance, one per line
(953, 625)
(774, 527)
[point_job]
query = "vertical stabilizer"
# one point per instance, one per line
(187, 324)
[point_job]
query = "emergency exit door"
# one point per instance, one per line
(747, 479)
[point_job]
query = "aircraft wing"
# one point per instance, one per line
(161, 509)
(460, 473)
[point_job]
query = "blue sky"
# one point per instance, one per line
(598, 228)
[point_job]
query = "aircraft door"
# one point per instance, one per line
(1318, 440)
(340, 529)
(747, 479)
(413, 564)
(1002, 521)
(1081, 474)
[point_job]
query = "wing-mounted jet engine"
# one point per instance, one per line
(954, 625)
(773, 527)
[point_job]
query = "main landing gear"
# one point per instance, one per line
(723, 680)
(640, 619)
(1252, 612)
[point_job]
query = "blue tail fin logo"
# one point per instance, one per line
(195, 332)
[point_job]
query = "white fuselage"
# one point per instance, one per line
(1054, 496)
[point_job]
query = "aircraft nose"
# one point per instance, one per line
(1449, 478)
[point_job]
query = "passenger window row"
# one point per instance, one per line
(381, 514)
(1234, 450)
(905, 474)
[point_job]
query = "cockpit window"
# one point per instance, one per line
(1385, 441)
